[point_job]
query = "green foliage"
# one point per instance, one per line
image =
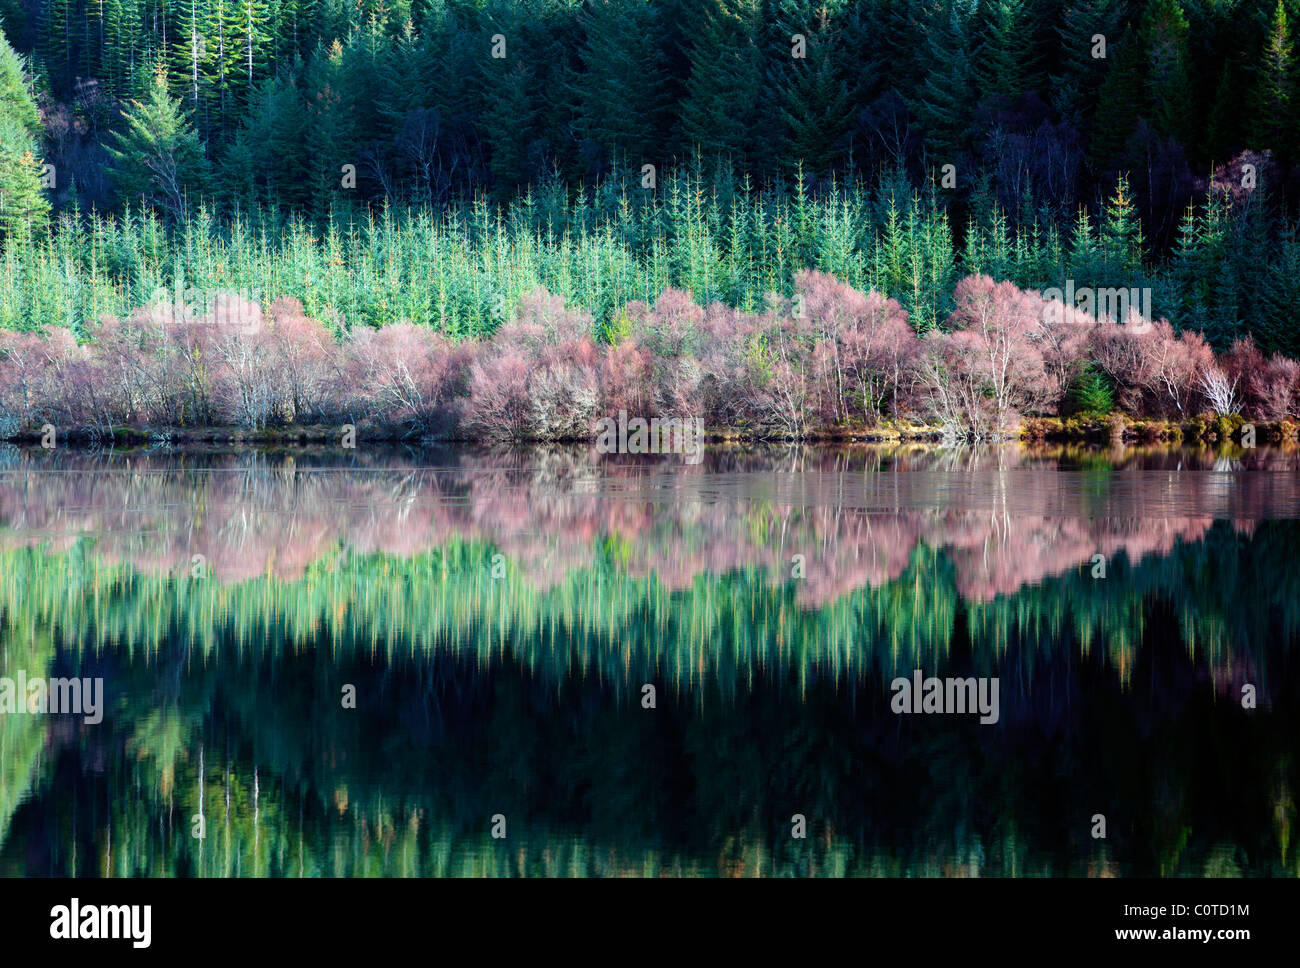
(1274, 106)
(1167, 69)
(530, 164)
(24, 208)
(1075, 88)
(1006, 63)
(718, 113)
(157, 157)
(1121, 99)
(943, 104)
(623, 93)
(1091, 392)
(1121, 234)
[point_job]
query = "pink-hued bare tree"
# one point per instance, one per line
(831, 357)
(864, 346)
(1063, 336)
(1269, 386)
(1155, 369)
(538, 377)
(404, 375)
(988, 368)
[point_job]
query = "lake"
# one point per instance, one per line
(427, 662)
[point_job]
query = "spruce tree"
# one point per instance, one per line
(1005, 61)
(622, 90)
(1075, 88)
(718, 112)
(943, 105)
(865, 43)
(508, 120)
(24, 208)
(1121, 235)
(1164, 39)
(1188, 278)
(810, 99)
(1274, 328)
(1274, 107)
(157, 157)
(1120, 101)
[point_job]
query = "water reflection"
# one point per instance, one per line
(499, 613)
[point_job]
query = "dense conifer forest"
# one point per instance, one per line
(432, 163)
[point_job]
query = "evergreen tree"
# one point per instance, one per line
(810, 97)
(157, 157)
(1164, 38)
(622, 91)
(1120, 101)
(1188, 286)
(1090, 392)
(510, 111)
(190, 51)
(1274, 328)
(864, 49)
(327, 130)
(1274, 108)
(1225, 126)
(24, 208)
(1006, 61)
(1084, 258)
(943, 104)
(1075, 88)
(1121, 235)
(718, 112)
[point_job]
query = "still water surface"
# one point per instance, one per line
(498, 616)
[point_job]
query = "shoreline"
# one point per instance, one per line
(1109, 430)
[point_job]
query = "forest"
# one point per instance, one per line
(500, 219)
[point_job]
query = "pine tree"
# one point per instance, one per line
(157, 157)
(1188, 284)
(1075, 89)
(811, 100)
(1274, 107)
(1084, 258)
(23, 206)
(622, 90)
(943, 104)
(1005, 63)
(718, 111)
(1121, 234)
(1274, 328)
(1120, 102)
(510, 110)
(1164, 38)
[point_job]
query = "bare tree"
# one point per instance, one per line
(1219, 390)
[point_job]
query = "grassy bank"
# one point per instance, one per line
(1206, 428)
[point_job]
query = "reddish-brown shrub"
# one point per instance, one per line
(404, 374)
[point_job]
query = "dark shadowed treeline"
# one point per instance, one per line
(268, 134)
(431, 97)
